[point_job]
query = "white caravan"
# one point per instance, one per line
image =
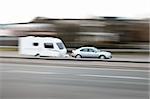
(42, 46)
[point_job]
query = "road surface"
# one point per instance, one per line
(53, 81)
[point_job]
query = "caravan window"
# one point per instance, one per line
(35, 44)
(48, 45)
(60, 45)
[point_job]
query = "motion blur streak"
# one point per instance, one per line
(53, 81)
(104, 32)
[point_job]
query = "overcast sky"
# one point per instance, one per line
(13, 11)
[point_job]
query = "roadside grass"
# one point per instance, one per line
(8, 49)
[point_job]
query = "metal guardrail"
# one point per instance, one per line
(74, 59)
(9, 47)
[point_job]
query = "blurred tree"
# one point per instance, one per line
(67, 27)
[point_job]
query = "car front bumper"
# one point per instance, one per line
(109, 57)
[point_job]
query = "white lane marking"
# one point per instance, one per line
(84, 75)
(67, 67)
(32, 72)
(107, 76)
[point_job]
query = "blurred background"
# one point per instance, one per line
(119, 26)
(102, 32)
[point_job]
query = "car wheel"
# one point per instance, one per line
(37, 54)
(78, 56)
(102, 57)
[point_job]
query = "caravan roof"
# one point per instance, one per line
(43, 38)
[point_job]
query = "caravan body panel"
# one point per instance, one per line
(43, 46)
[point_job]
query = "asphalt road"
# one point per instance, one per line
(53, 81)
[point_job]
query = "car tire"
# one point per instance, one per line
(78, 56)
(37, 54)
(102, 57)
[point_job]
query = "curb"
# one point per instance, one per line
(74, 59)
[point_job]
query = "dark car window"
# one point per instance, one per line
(91, 50)
(84, 50)
(60, 45)
(48, 45)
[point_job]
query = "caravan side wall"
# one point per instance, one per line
(36, 45)
(26, 46)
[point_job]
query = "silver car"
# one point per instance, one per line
(90, 52)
